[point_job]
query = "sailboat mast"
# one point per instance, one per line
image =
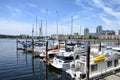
(36, 26)
(41, 28)
(32, 30)
(80, 30)
(46, 23)
(57, 25)
(71, 27)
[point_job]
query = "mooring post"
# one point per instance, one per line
(32, 44)
(17, 43)
(26, 44)
(47, 60)
(47, 51)
(88, 61)
(100, 46)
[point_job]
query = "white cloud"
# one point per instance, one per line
(14, 11)
(113, 24)
(32, 5)
(84, 5)
(108, 10)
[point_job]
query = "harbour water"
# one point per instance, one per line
(19, 65)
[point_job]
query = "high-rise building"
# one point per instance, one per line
(98, 29)
(86, 31)
(118, 32)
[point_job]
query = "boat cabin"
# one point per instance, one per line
(99, 67)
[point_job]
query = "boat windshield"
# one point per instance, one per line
(66, 59)
(117, 50)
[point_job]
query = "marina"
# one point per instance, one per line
(60, 40)
(28, 65)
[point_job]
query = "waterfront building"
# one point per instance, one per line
(59, 36)
(107, 32)
(86, 32)
(98, 29)
(109, 37)
(118, 32)
(76, 35)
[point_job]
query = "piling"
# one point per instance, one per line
(46, 60)
(26, 45)
(47, 51)
(32, 44)
(88, 61)
(100, 46)
(17, 43)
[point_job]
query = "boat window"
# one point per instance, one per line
(115, 63)
(94, 67)
(109, 63)
(117, 50)
(60, 57)
(68, 58)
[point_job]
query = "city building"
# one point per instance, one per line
(118, 32)
(109, 37)
(98, 29)
(76, 35)
(86, 31)
(108, 32)
(59, 36)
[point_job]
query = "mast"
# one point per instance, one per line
(71, 27)
(32, 30)
(57, 24)
(40, 29)
(46, 23)
(36, 26)
(33, 38)
(80, 30)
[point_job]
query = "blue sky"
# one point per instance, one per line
(18, 16)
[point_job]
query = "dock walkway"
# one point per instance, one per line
(115, 76)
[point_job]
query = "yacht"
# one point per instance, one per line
(62, 60)
(100, 65)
